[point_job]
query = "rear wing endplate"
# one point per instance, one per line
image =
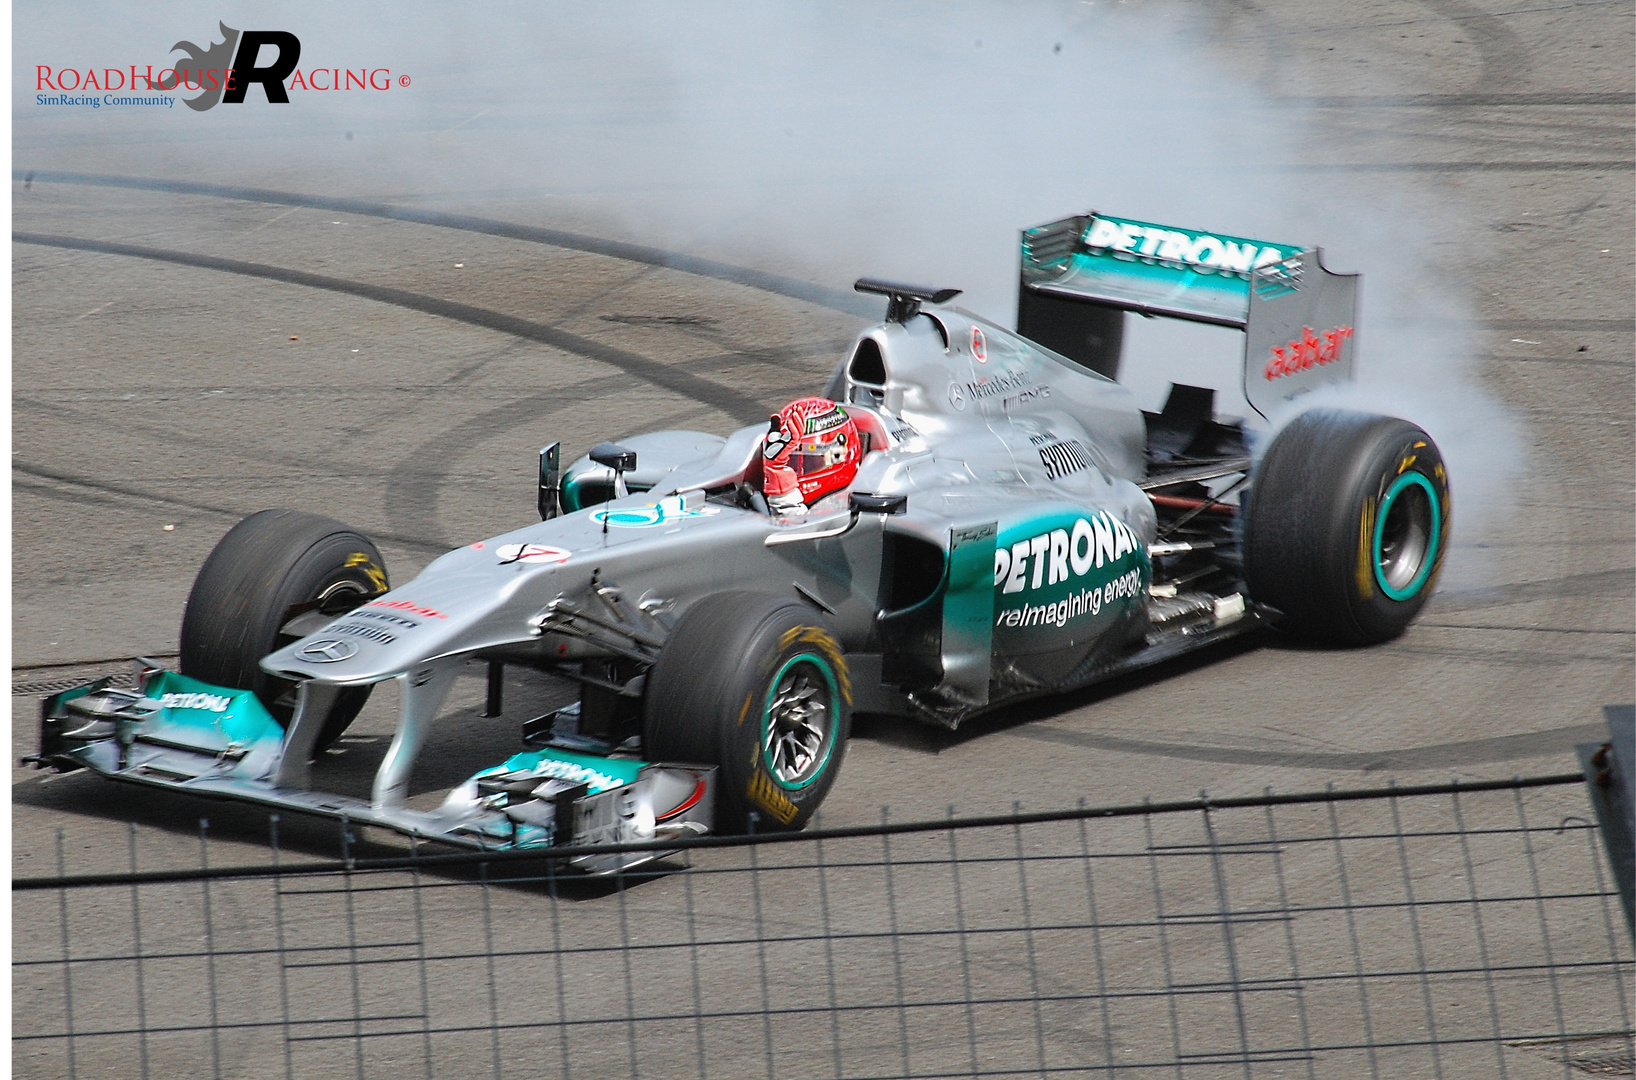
(1298, 318)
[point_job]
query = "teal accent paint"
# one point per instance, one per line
(1185, 271)
(210, 717)
(573, 490)
(1403, 482)
(834, 717)
(601, 773)
(968, 611)
(1069, 569)
(666, 511)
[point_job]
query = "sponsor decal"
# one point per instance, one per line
(765, 794)
(979, 348)
(327, 651)
(609, 819)
(664, 512)
(1063, 554)
(372, 570)
(530, 553)
(207, 702)
(834, 418)
(1062, 458)
(368, 633)
(381, 617)
(957, 396)
(818, 638)
(409, 606)
(1070, 567)
(553, 769)
(1307, 351)
(997, 384)
(1038, 393)
(1085, 601)
(1198, 251)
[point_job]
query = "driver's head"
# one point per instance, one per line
(816, 440)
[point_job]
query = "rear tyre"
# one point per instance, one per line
(1346, 526)
(756, 685)
(268, 569)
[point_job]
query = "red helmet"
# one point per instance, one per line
(814, 442)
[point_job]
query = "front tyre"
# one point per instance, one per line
(268, 569)
(757, 685)
(1346, 525)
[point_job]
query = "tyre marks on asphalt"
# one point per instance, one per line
(1611, 166)
(1439, 756)
(1617, 583)
(1505, 58)
(69, 487)
(414, 489)
(1459, 101)
(741, 406)
(411, 492)
(836, 299)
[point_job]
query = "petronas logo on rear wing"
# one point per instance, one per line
(1298, 318)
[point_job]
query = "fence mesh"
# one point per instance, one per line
(1455, 932)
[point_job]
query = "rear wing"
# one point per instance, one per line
(1080, 274)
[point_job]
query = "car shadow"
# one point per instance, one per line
(909, 734)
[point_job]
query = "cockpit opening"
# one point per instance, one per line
(866, 372)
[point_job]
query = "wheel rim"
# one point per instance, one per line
(798, 722)
(1408, 528)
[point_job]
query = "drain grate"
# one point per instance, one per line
(57, 686)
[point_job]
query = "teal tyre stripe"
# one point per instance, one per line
(834, 711)
(1401, 484)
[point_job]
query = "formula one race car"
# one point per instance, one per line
(968, 516)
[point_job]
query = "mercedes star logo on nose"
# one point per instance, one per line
(327, 651)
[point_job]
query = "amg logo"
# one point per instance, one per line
(368, 633)
(1064, 458)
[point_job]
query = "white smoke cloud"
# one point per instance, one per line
(906, 141)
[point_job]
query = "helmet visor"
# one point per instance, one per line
(816, 456)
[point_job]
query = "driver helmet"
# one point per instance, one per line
(812, 448)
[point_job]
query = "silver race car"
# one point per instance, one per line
(965, 517)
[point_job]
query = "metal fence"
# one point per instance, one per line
(1447, 931)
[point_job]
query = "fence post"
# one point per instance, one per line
(1028, 938)
(136, 949)
(210, 952)
(283, 956)
(67, 967)
(1610, 774)
(1220, 874)
(761, 953)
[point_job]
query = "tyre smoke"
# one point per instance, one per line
(909, 141)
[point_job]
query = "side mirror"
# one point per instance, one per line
(617, 458)
(550, 499)
(614, 456)
(862, 502)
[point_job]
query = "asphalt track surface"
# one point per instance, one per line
(186, 355)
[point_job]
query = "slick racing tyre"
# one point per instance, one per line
(1346, 526)
(757, 685)
(268, 569)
